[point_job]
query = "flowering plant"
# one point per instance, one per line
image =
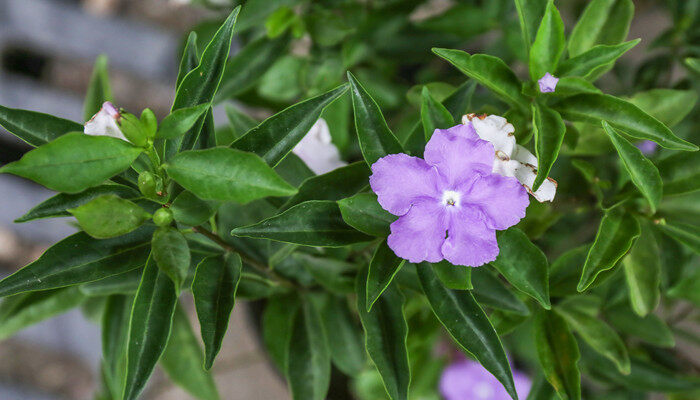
(457, 226)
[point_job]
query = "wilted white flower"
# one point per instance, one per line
(511, 158)
(105, 122)
(317, 150)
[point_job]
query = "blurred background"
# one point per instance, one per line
(47, 49)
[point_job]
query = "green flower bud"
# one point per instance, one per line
(149, 123)
(148, 185)
(132, 129)
(163, 217)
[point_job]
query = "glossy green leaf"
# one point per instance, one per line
(115, 335)
(622, 115)
(687, 234)
(190, 210)
(643, 272)
(468, 325)
(34, 127)
(277, 321)
(171, 253)
(345, 338)
(363, 212)
(227, 175)
(490, 72)
(558, 354)
(329, 272)
(602, 22)
(74, 162)
(616, 233)
(670, 106)
(182, 357)
(456, 277)
(58, 205)
(601, 337)
(529, 15)
(650, 328)
(180, 121)
(376, 139)
(385, 337)
(26, 309)
(549, 130)
(549, 43)
(590, 63)
(149, 327)
(109, 216)
(189, 59)
(382, 269)
(335, 185)
(124, 283)
(80, 259)
(308, 368)
(565, 272)
(523, 264)
(98, 90)
(276, 136)
(642, 171)
(573, 85)
(433, 114)
(490, 291)
(214, 290)
(312, 223)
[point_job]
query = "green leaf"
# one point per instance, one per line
(79, 259)
(382, 269)
(346, 346)
(26, 309)
(115, 334)
(523, 264)
(670, 106)
(573, 85)
(109, 216)
(35, 128)
(616, 233)
(329, 272)
(622, 115)
(74, 162)
(687, 234)
(601, 337)
(456, 277)
(227, 175)
(276, 136)
(433, 114)
(490, 291)
(58, 205)
(124, 283)
(644, 174)
(376, 139)
(549, 130)
(602, 22)
(277, 319)
(180, 121)
(308, 369)
(98, 90)
(335, 185)
(643, 272)
(247, 66)
(687, 288)
(558, 354)
(565, 272)
(181, 360)
(214, 290)
(189, 60)
(650, 328)
(171, 253)
(385, 337)
(490, 72)
(590, 63)
(190, 210)
(468, 325)
(149, 327)
(529, 16)
(549, 43)
(312, 223)
(363, 212)
(200, 84)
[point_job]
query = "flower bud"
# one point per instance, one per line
(148, 185)
(163, 217)
(149, 123)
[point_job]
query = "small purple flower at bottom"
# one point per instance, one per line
(467, 380)
(450, 204)
(548, 83)
(647, 147)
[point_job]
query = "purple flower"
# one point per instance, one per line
(466, 379)
(450, 204)
(548, 83)
(647, 147)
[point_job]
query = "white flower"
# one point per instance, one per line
(104, 123)
(511, 158)
(317, 150)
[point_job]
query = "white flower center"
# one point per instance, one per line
(450, 198)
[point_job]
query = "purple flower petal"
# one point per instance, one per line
(647, 147)
(456, 157)
(502, 200)
(419, 235)
(548, 83)
(399, 179)
(467, 380)
(469, 241)
(466, 131)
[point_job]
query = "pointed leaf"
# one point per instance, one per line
(549, 43)
(124, 283)
(529, 15)
(687, 234)
(180, 121)
(35, 128)
(98, 90)
(490, 291)
(643, 272)
(335, 185)
(602, 22)
(26, 309)
(363, 212)
(650, 328)
(346, 346)
(558, 354)
(115, 335)
(433, 114)
(171, 253)
(549, 130)
(189, 59)
(277, 319)
(382, 269)
(587, 65)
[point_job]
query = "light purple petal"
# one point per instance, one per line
(502, 200)
(399, 179)
(467, 380)
(456, 157)
(548, 83)
(465, 130)
(469, 241)
(647, 147)
(419, 235)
